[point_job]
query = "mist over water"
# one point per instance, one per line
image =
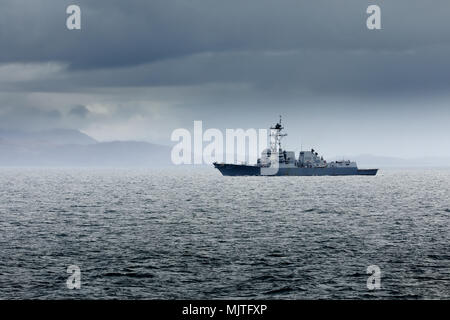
(169, 234)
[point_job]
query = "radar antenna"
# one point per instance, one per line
(275, 137)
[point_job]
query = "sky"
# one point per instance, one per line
(137, 70)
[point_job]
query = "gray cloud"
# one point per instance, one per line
(281, 46)
(119, 33)
(30, 117)
(138, 69)
(80, 111)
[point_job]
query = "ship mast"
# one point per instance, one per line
(275, 137)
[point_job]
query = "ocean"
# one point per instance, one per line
(194, 234)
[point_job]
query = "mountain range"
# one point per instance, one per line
(72, 148)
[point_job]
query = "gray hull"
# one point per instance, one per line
(237, 170)
(245, 170)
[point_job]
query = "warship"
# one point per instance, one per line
(275, 161)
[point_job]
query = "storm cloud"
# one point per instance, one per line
(139, 69)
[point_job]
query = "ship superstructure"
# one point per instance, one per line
(275, 161)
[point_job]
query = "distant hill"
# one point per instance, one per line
(72, 148)
(76, 149)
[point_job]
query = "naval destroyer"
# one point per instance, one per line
(275, 161)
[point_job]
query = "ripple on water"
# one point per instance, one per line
(170, 235)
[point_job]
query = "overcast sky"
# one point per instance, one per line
(140, 69)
